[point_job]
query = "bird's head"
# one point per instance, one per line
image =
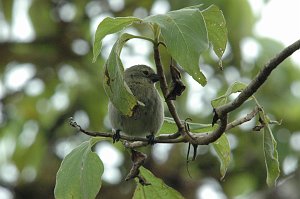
(141, 74)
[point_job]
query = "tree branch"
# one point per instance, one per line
(143, 141)
(242, 120)
(256, 83)
(260, 78)
(222, 111)
(135, 142)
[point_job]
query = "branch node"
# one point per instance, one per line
(187, 131)
(138, 159)
(215, 117)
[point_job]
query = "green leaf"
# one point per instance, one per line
(195, 6)
(222, 149)
(216, 28)
(114, 85)
(109, 26)
(184, 33)
(271, 156)
(270, 152)
(79, 175)
(234, 88)
(157, 190)
(201, 128)
(169, 126)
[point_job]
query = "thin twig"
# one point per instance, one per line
(211, 137)
(242, 120)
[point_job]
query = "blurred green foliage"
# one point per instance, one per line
(63, 82)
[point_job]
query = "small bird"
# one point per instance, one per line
(148, 116)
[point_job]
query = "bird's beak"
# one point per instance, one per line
(154, 78)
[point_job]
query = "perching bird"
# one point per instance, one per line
(148, 116)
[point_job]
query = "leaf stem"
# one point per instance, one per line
(144, 38)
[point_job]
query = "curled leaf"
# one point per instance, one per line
(177, 86)
(215, 117)
(109, 26)
(270, 152)
(114, 85)
(138, 159)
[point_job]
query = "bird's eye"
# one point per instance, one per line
(146, 72)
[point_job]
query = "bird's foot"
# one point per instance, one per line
(151, 139)
(116, 137)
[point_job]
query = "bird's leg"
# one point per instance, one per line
(116, 137)
(150, 138)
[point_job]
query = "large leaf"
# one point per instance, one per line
(184, 33)
(234, 88)
(109, 26)
(79, 175)
(114, 85)
(216, 28)
(222, 149)
(157, 190)
(270, 152)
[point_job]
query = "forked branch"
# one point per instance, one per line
(252, 87)
(221, 112)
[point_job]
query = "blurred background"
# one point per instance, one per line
(47, 76)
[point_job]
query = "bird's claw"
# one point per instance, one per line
(116, 137)
(151, 139)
